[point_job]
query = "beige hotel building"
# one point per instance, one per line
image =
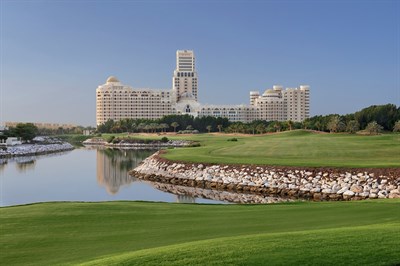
(117, 101)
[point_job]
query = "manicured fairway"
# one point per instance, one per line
(297, 148)
(141, 233)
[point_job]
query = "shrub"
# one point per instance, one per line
(164, 139)
(110, 139)
(233, 139)
(194, 144)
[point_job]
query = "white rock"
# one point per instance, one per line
(342, 190)
(348, 193)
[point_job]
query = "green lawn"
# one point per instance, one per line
(141, 233)
(295, 148)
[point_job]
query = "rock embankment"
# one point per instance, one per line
(34, 149)
(139, 145)
(302, 183)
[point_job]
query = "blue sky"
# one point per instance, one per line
(55, 53)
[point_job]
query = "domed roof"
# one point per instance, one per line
(112, 79)
(269, 91)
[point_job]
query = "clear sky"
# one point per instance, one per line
(54, 54)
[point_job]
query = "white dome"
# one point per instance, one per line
(112, 79)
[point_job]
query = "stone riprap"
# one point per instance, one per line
(129, 145)
(292, 182)
(34, 149)
(227, 196)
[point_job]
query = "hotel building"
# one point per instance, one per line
(117, 101)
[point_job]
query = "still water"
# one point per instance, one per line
(84, 174)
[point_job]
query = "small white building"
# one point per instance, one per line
(12, 141)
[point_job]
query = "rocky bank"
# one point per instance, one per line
(123, 144)
(292, 182)
(34, 149)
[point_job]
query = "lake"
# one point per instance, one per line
(84, 174)
(98, 174)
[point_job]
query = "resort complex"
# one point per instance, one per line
(116, 101)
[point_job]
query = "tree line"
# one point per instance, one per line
(380, 117)
(373, 119)
(169, 123)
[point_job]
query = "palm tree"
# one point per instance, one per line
(290, 124)
(260, 128)
(133, 127)
(174, 125)
(209, 127)
(219, 128)
(154, 127)
(164, 126)
(277, 126)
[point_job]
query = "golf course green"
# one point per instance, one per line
(148, 233)
(145, 233)
(290, 148)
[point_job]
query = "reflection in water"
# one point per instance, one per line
(189, 194)
(185, 198)
(25, 163)
(113, 166)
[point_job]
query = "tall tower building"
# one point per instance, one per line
(184, 82)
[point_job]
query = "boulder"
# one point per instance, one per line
(348, 194)
(356, 188)
(342, 190)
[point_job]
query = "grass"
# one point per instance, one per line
(142, 233)
(294, 148)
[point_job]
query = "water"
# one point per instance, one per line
(84, 174)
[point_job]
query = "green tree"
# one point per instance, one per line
(164, 126)
(335, 124)
(209, 128)
(25, 131)
(219, 128)
(174, 125)
(260, 128)
(385, 115)
(353, 126)
(290, 124)
(373, 128)
(154, 127)
(318, 125)
(396, 127)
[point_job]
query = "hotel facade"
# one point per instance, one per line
(117, 101)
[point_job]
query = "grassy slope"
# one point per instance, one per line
(296, 148)
(138, 232)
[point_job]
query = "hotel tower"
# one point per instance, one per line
(116, 101)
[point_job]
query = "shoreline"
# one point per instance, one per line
(289, 182)
(138, 145)
(34, 149)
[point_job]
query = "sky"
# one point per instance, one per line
(54, 54)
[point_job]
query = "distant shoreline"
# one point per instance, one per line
(34, 149)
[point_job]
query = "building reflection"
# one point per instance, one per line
(26, 165)
(185, 199)
(113, 166)
(26, 162)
